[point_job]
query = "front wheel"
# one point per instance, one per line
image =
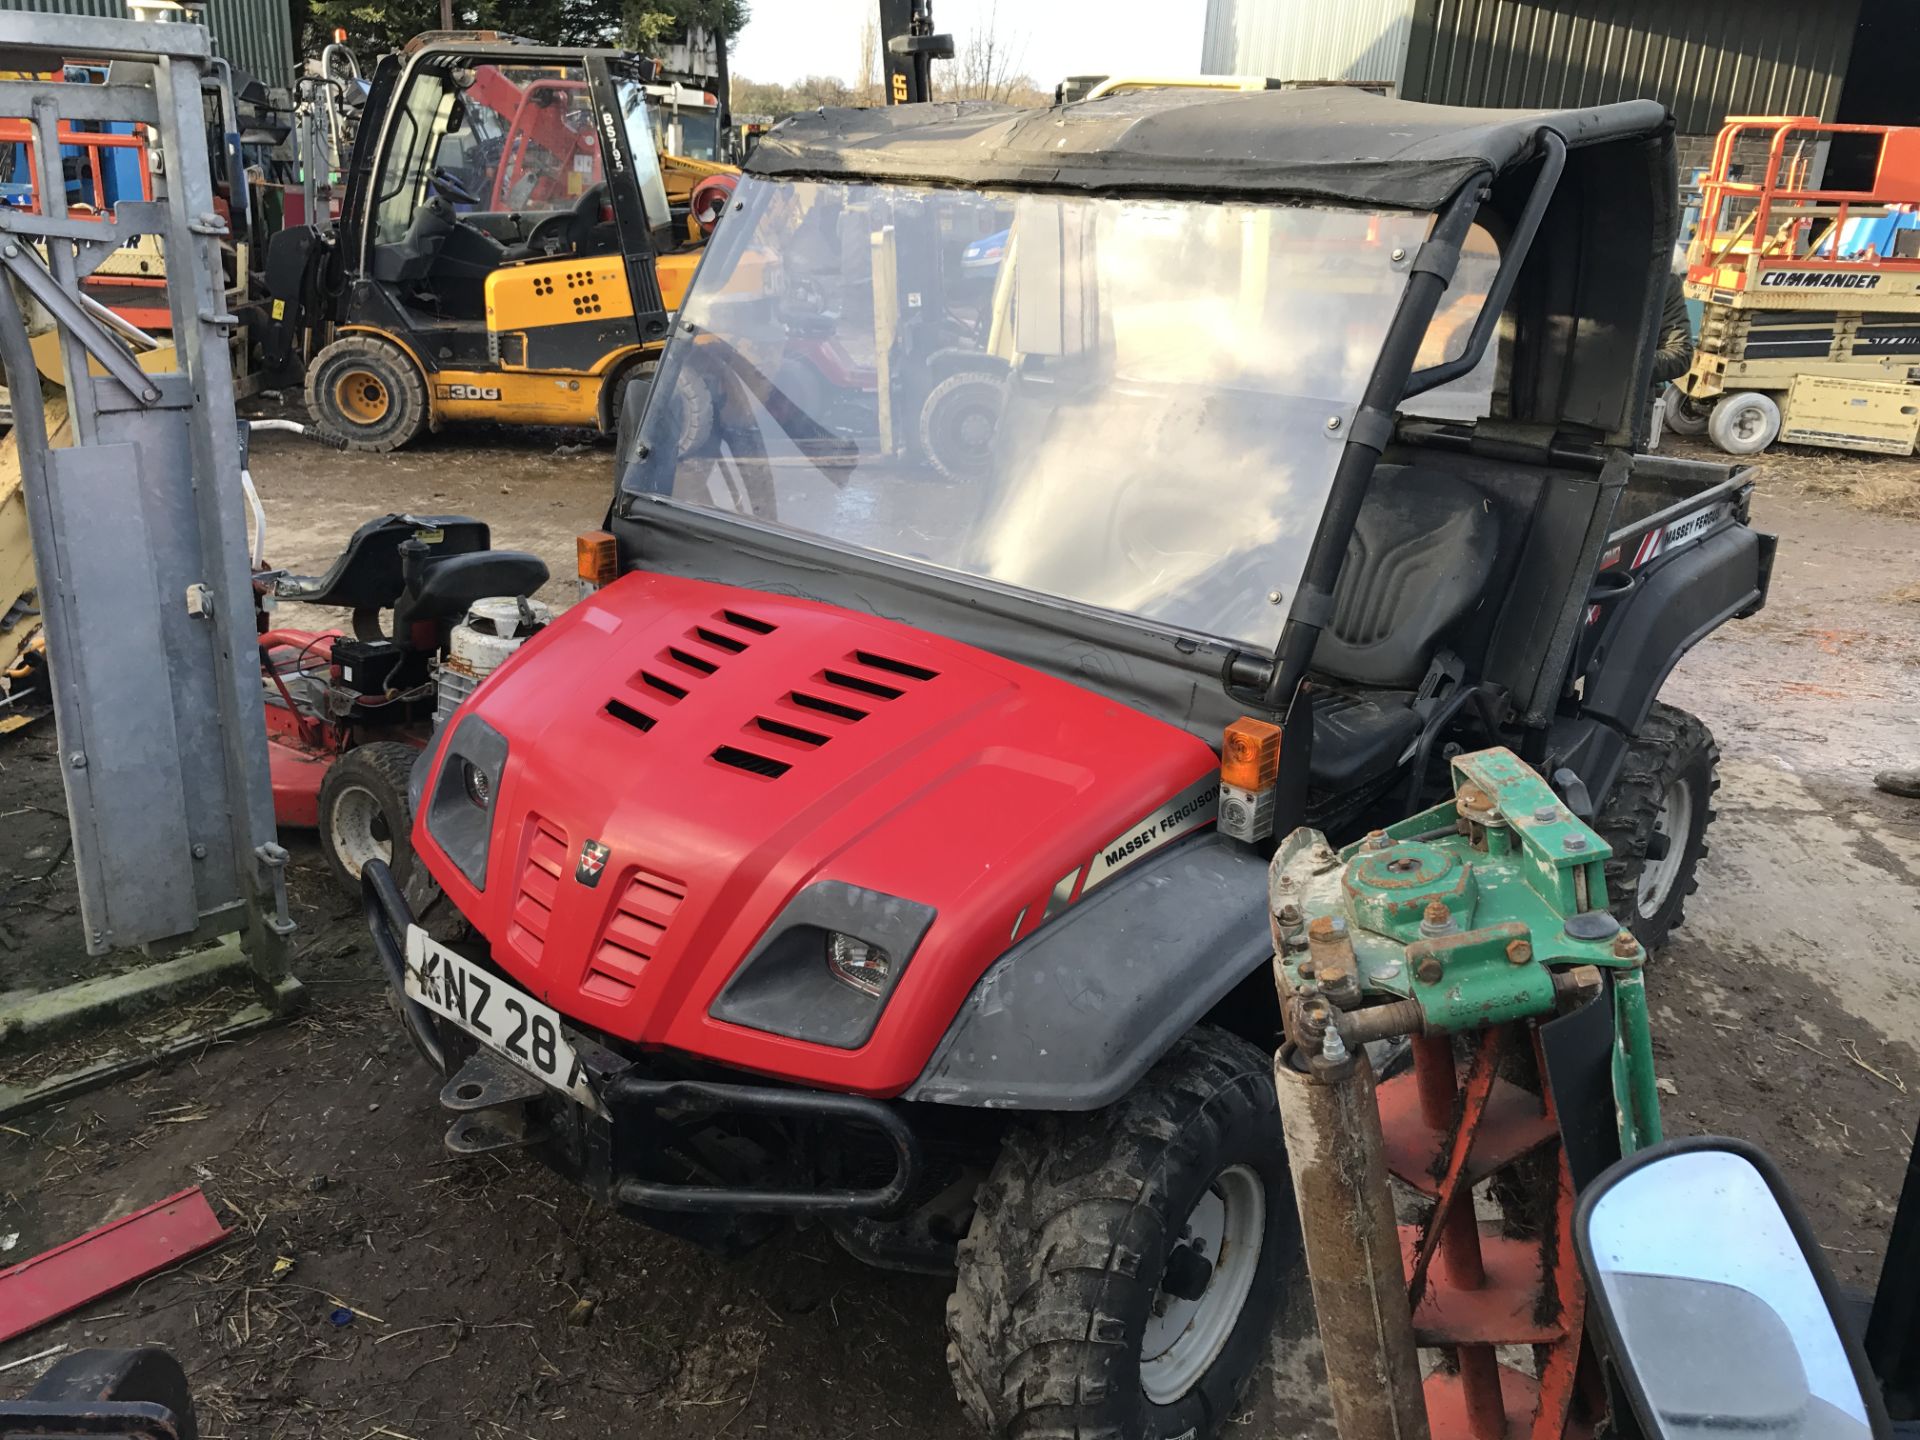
(1655, 819)
(364, 813)
(958, 422)
(1744, 424)
(366, 394)
(1124, 1268)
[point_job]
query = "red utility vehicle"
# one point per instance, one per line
(887, 841)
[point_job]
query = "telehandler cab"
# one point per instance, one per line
(506, 251)
(887, 841)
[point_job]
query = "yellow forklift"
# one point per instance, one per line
(507, 250)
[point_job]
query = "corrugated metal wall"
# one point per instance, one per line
(1307, 39)
(254, 35)
(1705, 59)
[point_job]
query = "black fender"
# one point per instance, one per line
(1074, 1015)
(1679, 601)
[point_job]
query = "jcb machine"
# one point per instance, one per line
(506, 250)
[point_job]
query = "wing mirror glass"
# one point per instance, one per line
(1717, 1306)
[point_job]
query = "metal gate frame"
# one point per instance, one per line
(139, 536)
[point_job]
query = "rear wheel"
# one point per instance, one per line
(365, 393)
(1655, 819)
(1124, 1268)
(1744, 424)
(364, 813)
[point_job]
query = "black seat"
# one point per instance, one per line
(449, 587)
(1422, 553)
(367, 575)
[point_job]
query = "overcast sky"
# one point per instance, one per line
(786, 39)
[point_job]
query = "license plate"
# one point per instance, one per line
(503, 1016)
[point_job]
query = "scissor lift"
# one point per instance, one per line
(1810, 323)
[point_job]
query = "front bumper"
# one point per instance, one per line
(636, 1155)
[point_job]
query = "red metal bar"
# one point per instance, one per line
(103, 1260)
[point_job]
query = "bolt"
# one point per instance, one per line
(1308, 970)
(1286, 882)
(1332, 1047)
(1274, 597)
(77, 760)
(1546, 814)
(1437, 914)
(1574, 842)
(1379, 840)
(1625, 947)
(199, 852)
(1519, 952)
(1399, 253)
(1333, 424)
(13, 252)
(1322, 927)
(1405, 865)
(1429, 969)
(1288, 915)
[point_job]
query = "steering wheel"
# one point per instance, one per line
(452, 188)
(565, 231)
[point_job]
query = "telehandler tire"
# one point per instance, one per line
(366, 394)
(1656, 819)
(364, 813)
(1124, 1267)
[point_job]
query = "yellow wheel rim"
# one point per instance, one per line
(361, 396)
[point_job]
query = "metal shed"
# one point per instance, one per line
(253, 35)
(1705, 59)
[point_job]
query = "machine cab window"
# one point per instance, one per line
(490, 165)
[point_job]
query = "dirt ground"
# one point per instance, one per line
(488, 1299)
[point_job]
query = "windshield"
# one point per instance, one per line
(1127, 404)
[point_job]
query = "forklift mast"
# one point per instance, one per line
(911, 46)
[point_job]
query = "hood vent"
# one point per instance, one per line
(627, 715)
(789, 732)
(826, 707)
(690, 661)
(764, 766)
(894, 667)
(861, 684)
(660, 685)
(747, 622)
(633, 934)
(539, 887)
(719, 641)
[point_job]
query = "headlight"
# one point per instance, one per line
(827, 967)
(479, 784)
(865, 967)
(460, 807)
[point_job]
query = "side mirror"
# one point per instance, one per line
(1718, 1310)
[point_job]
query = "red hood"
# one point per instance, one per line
(730, 747)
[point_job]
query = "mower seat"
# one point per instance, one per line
(449, 587)
(1421, 556)
(367, 574)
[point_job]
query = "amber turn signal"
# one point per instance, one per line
(599, 557)
(1250, 754)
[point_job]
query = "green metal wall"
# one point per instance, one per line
(1704, 59)
(253, 35)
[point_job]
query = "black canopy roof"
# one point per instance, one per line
(1329, 143)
